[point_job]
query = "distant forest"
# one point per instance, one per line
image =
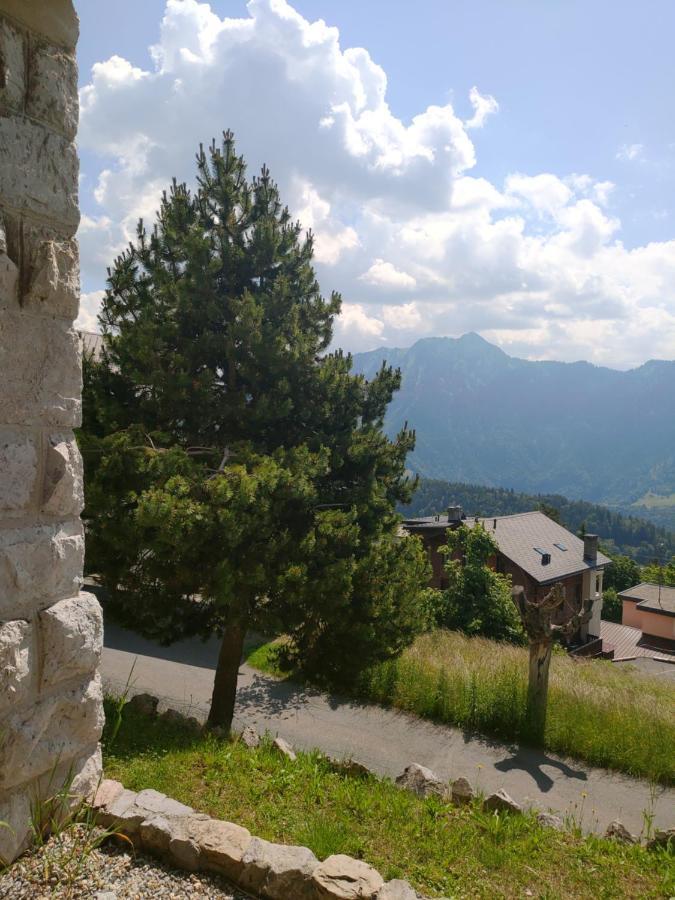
(629, 535)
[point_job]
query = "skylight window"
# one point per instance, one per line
(539, 550)
(561, 547)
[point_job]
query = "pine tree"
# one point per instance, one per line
(238, 473)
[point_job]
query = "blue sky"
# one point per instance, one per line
(582, 89)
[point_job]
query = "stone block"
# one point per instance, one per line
(107, 792)
(15, 811)
(52, 274)
(548, 820)
(19, 469)
(422, 781)
(39, 563)
(617, 831)
(462, 792)
(128, 810)
(278, 871)
(51, 94)
(55, 20)
(284, 748)
(16, 663)
(63, 486)
(342, 878)
(500, 801)
(10, 254)
(223, 844)
(58, 728)
(12, 67)
(145, 704)
(398, 890)
(39, 172)
(72, 638)
(41, 370)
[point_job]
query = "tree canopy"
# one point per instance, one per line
(238, 475)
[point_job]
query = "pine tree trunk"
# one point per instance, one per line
(227, 674)
(537, 689)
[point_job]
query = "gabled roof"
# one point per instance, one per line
(521, 537)
(652, 598)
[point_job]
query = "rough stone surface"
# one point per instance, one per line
(277, 871)
(15, 811)
(16, 652)
(250, 738)
(548, 820)
(55, 20)
(343, 878)
(501, 802)
(62, 489)
(54, 276)
(107, 792)
(398, 890)
(662, 838)
(223, 844)
(175, 717)
(19, 469)
(41, 370)
(145, 704)
(350, 767)
(12, 71)
(462, 792)
(422, 781)
(72, 638)
(617, 831)
(52, 88)
(284, 748)
(39, 171)
(9, 277)
(54, 729)
(38, 563)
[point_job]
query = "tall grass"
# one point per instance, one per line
(607, 716)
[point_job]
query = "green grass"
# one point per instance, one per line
(656, 501)
(599, 713)
(442, 850)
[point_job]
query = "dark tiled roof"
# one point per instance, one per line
(652, 598)
(521, 536)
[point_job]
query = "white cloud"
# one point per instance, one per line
(90, 304)
(483, 106)
(630, 152)
(385, 274)
(536, 263)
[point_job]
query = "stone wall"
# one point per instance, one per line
(50, 632)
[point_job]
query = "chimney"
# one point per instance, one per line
(494, 525)
(454, 514)
(591, 548)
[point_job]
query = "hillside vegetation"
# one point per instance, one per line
(629, 535)
(575, 429)
(441, 849)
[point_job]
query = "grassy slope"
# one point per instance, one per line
(440, 849)
(598, 713)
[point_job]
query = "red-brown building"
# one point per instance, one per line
(533, 549)
(651, 608)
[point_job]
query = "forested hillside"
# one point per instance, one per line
(583, 431)
(628, 535)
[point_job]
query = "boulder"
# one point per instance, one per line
(146, 704)
(128, 810)
(342, 878)
(277, 871)
(548, 820)
(501, 802)
(107, 791)
(175, 717)
(284, 748)
(617, 831)
(662, 838)
(350, 767)
(250, 738)
(398, 890)
(223, 844)
(462, 792)
(422, 781)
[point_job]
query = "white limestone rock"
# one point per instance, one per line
(52, 88)
(342, 878)
(283, 747)
(223, 844)
(54, 286)
(16, 663)
(15, 811)
(462, 792)
(277, 871)
(501, 802)
(19, 468)
(13, 83)
(72, 638)
(398, 890)
(422, 781)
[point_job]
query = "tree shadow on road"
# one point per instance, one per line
(531, 761)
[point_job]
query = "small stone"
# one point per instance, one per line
(145, 704)
(278, 871)
(351, 767)
(548, 820)
(398, 890)
(501, 802)
(250, 738)
(108, 791)
(223, 844)
(284, 748)
(174, 717)
(342, 878)
(105, 895)
(462, 792)
(662, 838)
(617, 831)
(422, 781)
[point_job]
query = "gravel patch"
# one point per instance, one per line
(63, 869)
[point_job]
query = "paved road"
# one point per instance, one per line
(384, 740)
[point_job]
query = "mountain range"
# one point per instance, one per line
(577, 429)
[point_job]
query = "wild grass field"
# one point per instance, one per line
(439, 848)
(606, 716)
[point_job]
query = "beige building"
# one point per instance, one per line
(651, 608)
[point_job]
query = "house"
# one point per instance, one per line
(534, 550)
(651, 608)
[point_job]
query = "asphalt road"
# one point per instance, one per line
(384, 740)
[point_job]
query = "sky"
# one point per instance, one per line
(499, 166)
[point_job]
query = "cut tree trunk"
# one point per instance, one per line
(537, 688)
(227, 674)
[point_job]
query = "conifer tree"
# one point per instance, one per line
(238, 475)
